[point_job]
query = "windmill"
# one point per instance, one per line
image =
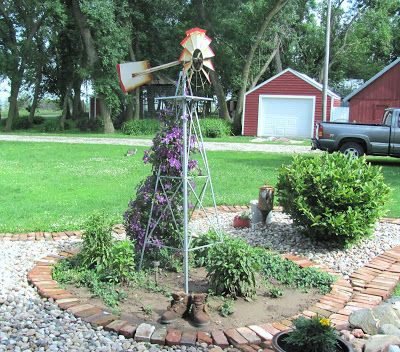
(195, 59)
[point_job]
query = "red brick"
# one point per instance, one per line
(173, 337)
(204, 337)
(127, 330)
(79, 308)
(116, 325)
(101, 319)
(262, 333)
(219, 338)
(249, 335)
(234, 337)
(269, 328)
(88, 312)
(158, 336)
(188, 338)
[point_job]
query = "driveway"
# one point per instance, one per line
(213, 146)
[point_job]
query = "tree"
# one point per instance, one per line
(20, 21)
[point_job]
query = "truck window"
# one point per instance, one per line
(387, 118)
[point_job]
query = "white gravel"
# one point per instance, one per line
(283, 237)
(28, 323)
(214, 146)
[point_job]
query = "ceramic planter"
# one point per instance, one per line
(240, 222)
(280, 346)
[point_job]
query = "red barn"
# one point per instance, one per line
(286, 105)
(382, 91)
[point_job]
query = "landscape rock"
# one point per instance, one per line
(358, 333)
(370, 319)
(389, 329)
(393, 348)
(378, 343)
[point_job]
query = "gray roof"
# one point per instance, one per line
(374, 78)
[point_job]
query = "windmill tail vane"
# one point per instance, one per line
(195, 57)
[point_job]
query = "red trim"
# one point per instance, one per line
(196, 29)
(120, 81)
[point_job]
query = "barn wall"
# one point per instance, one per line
(368, 105)
(286, 84)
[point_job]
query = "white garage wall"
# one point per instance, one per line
(286, 115)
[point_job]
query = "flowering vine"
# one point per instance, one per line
(165, 156)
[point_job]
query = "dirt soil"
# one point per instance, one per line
(142, 305)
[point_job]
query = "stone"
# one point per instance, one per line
(389, 329)
(393, 348)
(378, 343)
(369, 319)
(358, 333)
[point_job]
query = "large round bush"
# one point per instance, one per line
(332, 196)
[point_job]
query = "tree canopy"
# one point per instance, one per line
(54, 46)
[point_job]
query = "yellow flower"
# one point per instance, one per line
(325, 322)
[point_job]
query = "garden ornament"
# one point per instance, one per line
(200, 317)
(195, 59)
(178, 309)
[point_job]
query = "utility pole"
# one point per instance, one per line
(326, 64)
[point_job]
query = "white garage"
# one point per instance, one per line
(286, 116)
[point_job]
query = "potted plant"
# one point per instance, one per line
(242, 220)
(310, 335)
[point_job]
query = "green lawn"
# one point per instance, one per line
(52, 186)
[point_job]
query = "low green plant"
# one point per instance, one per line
(312, 335)
(148, 310)
(85, 124)
(21, 123)
(97, 242)
(215, 128)
(120, 264)
(332, 196)
(226, 308)
(38, 120)
(231, 268)
(275, 292)
(200, 255)
(245, 215)
(273, 266)
(141, 127)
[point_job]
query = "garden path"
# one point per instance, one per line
(212, 146)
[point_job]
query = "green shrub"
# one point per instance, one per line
(141, 127)
(97, 242)
(226, 308)
(200, 255)
(215, 128)
(332, 196)
(38, 120)
(50, 126)
(21, 123)
(231, 268)
(85, 124)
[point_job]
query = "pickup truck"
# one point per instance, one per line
(357, 139)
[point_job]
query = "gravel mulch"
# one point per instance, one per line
(28, 323)
(283, 237)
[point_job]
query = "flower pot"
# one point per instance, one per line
(280, 346)
(240, 222)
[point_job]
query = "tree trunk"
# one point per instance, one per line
(13, 108)
(76, 105)
(219, 91)
(93, 58)
(136, 115)
(278, 61)
(38, 81)
(106, 115)
(65, 106)
(129, 107)
(279, 4)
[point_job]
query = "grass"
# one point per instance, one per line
(55, 186)
(396, 292)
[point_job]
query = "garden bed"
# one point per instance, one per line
(144, 305)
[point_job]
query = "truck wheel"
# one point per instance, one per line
(352, 149)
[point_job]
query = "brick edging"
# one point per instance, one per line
(248, 338)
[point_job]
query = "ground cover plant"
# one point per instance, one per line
(56, 186)
(332, 196)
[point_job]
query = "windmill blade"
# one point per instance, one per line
(186, 56)
(206, 41)
(208, 63)
(207, 53)
(131, 75)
